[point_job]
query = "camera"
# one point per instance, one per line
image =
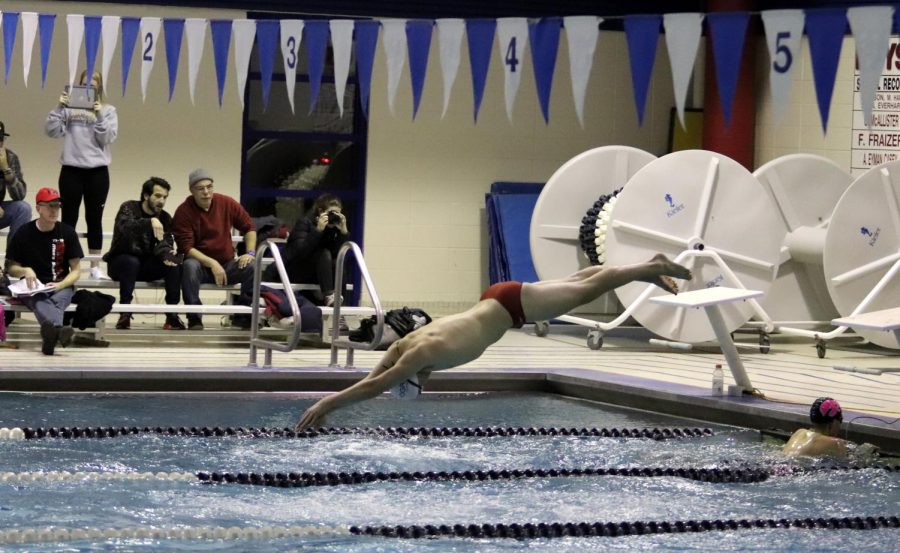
(333, 218)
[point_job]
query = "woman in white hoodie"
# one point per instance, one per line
(87, 135)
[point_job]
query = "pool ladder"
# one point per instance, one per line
(268, 346)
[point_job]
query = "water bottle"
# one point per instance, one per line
(718, 381)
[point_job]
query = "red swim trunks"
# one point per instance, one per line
(509, 295)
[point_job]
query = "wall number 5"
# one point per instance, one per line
(782, 65)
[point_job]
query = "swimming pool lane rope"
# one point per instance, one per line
(529, 530)
(310, 479)
(263, 432)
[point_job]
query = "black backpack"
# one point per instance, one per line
(401, 321)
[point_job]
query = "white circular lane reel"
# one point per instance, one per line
(566, 197)
(862, 248)
(805, 189)
(710, 213)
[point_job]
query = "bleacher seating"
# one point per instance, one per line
(224, 309)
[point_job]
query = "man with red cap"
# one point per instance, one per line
(47, 253)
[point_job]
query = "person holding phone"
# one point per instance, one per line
(88, 134)
(311, 250)
(143, 249)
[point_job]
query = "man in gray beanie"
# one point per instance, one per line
(202, 227)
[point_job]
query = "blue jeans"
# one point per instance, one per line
(193, 274)
(15, 214)
(50, 307)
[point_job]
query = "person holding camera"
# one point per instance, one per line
(88, 130)
(311, 250)
(143, 248)
(202, 226)
(15, 211)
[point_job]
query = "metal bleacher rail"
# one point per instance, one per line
(268, 346)
(229, 308)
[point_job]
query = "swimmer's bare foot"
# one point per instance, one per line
(663, 269)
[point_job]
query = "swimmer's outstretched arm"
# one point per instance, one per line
(371, 386)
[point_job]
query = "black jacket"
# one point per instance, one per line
(133, 233)
(304, 240)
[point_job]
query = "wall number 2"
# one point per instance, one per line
(148, 48)
(783, 64)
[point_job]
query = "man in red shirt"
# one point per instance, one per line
(202, 227)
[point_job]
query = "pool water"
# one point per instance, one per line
(159, 503)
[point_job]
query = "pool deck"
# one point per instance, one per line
(626, 371)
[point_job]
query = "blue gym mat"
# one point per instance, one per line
(509, 207)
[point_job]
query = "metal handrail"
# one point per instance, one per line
(255, 341)
(338, 300)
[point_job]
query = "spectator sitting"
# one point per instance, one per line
(47, 252)
(202, 226)
(15, 211)
(311, 250)
(143, 248)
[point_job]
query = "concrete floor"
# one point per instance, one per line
(627, 370)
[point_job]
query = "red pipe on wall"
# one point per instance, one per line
(736, 140)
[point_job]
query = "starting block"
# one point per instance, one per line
(710, 299)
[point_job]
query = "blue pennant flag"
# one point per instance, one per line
(267, 34)
(728, 31)
(45, 28)
(366, 33)
(10, 23)
(418, 42)
(91, 42)
(220, 29)
(174, 30)
(131, 26)
(825, 30)
(480, 35)
(642, 34)
(315, 37)
(544, 39)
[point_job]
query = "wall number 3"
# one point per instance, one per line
(783, 64)
(291, 46)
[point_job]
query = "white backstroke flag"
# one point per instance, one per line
(395, 49)
(582, 32)
(342, 45)
(195, 30)
(450, 34)
(682, 39)
(871, 28)
(784, 31)
(291, 35)
(512, 32)
(244, 33)
(29, 30)
(109, 34)
(148, 39)
(75, 26)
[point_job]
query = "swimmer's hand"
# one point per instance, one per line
(313, 417)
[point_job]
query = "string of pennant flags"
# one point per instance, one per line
(401, 38)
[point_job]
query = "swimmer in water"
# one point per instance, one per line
(821, 440)
(458, 339)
